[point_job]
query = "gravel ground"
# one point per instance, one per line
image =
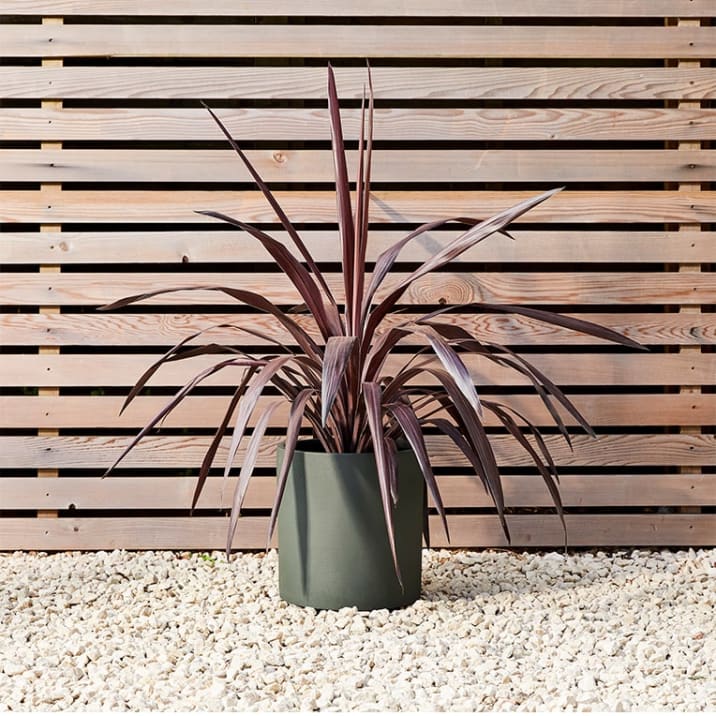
(494, 631)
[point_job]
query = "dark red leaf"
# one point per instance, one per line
(405, 415)
(335, 359)
(294, 425)
(362, 211)
(373, 404)
(557, 319)
(248, 404)
(515, 431)
(174, 353)
(391, 451)
(453, 364)
(247, 470)
(248, 297)
(343, 195)
(176, 399)
(454, 433)
(218, 437)
(476, 436)
(458, 246)
(283, 218)
(385, 261)
(328, 320)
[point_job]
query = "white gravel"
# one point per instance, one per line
(494, 631)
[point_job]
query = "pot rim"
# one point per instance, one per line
(307, 445)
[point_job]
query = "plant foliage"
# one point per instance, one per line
(337, 383)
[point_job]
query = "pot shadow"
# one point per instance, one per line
(451, 579)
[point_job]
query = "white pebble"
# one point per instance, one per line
(587, 683)
(494, 630)
(12, 668)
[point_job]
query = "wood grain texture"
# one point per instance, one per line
(197, 412)
(332, 41)
(90, 452)
(82, 289)
(167, 329)
(364, 8)
(163, 206)
(467, 531)
(395, 124)
(175, 493)
(391, 83)
(573, 245)
(582, 530)
(393, 165)
(579, 369)
(594, 103)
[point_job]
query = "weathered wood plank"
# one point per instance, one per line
(202, 533)
(151, 329)
(437, 87)
(583, 369)
(139, 533)
(87, 412)
(164, 206)
(553, 124)
(576, 491)
(414, 83)
(173, 452)
(182, 247)
(175, 493)
(331, 41)
(582, 531)
(363, 8)
(390, 165)
(78, 289)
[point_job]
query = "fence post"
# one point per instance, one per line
(691, 188)
(49, 193)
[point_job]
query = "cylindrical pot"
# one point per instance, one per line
(333, 546)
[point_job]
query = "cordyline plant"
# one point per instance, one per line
(338, 383)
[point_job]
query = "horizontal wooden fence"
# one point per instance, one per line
(106, 153)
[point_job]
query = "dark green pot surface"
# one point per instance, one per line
(333, 542)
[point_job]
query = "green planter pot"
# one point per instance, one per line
(333, 542)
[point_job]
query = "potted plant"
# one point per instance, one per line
(351, 500)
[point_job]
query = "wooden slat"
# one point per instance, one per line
(162, 206)
(202, 533)
(553, 124)
(406, 166)
(572, 245)
(83, 412)
(688, 148)
(175, 493)
(80, 289)
(610, 369)
(364, 8)
(171, 452)
(331, 41)
(414, 83)
(141, 533)
(663, 97)
(51, 189)
(147, 329)
(583, 530)
(575, 490)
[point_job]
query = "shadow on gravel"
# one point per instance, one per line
(482, 577)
